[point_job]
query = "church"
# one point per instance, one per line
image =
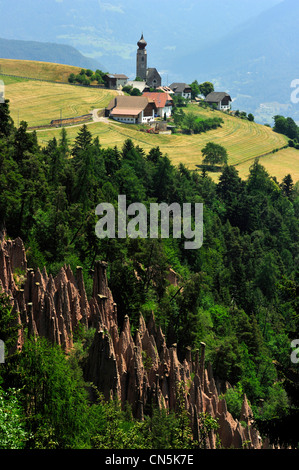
(149, 75)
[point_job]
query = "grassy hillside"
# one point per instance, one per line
(39, 102)
(279, 164)
(10, 80)
(35, 69)
(243, 140)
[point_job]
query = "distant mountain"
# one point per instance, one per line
(248, 47)
(255, 64)
(46, 52)
(108, 30)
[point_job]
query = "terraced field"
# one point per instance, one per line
(38, 103)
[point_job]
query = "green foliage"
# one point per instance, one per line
(237, 293)
(206, 424)
(53, 392)
(234, 399)
(120, 431)
(227, 361)
(136, 92)
(117, 430)
(161, 429)
(179, 101)
(190, 123)
(12, 421)
(182, 314)
(6, 122)
(8, 324)
(206, 88)
(278, 415)
(87, 77)
(127, 89)
(131, 91)
(286, 126)
(195, 89)
(276, 403)
(287, 186)
(214, 154)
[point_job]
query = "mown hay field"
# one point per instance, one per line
(38, 103)
(278, 164)
(243, 140)
(10, 80)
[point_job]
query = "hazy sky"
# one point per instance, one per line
(247, 47)
(109, 30)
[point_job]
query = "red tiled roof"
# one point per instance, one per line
(160, 99)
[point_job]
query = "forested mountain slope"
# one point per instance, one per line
(238, 293)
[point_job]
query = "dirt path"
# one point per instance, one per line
(95, 117)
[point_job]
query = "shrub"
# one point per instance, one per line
(12, 421)
(234, 400)
(53, 392)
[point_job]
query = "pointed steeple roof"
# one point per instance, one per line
(142, 43)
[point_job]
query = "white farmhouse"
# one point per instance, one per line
(221, 99)
(181, 89)
(163, 102)
(132, 109)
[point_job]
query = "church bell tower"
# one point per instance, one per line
(141, 62)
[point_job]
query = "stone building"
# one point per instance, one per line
(116, 81)
(150, 75)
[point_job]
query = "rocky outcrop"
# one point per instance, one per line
(141, 370)
(48, 307)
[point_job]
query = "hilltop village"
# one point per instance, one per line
(153, 100)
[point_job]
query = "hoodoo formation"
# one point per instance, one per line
(53, 307)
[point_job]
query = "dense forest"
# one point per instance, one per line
(238, 292)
